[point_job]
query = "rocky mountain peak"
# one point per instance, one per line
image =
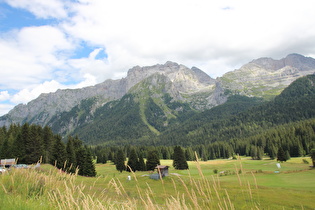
(293, 60)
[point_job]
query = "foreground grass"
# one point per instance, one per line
(242, 184)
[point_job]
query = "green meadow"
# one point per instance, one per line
(237, 184)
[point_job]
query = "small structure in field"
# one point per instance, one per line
(161, 172)
(7, 162)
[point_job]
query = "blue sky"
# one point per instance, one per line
(55, 44)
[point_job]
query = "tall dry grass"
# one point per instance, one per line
(54, 189)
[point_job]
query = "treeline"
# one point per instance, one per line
(32, 143)
(296, 139)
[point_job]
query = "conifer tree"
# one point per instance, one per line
(152, 160)
(34, 146)
(179, 159)
(142, 166)
(85, 162)
(59, 155)
(281, 156)
(71, 156)
(189, 154)
(120, 161)
(133, 161)
(48, 140)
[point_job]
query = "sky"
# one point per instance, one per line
(47, 45)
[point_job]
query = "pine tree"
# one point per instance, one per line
(120, 161)
(142, 166)
(179, 159)
(34, 145)
(133, 161)
(152, 160)
(281, 155)
(48, 140)
(86, 165)
(71, 156)
(59, 155)
(189, 154)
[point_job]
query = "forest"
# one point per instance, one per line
(30, 144)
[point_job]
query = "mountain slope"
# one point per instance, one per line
(296, 103)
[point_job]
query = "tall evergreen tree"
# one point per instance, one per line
(133, 161)
(120, 161)
(85, 162)
(48, 140)
(179, 159)
(142, 166)
(59, 154)
(152, 160)
(33, 146)
(71, 156)
(281, 156)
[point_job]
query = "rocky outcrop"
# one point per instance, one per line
(266, 77)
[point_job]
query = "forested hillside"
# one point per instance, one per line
(296, 103)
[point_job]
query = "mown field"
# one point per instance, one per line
(239, 184)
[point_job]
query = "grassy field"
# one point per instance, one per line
(239, 184)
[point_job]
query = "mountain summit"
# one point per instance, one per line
(266, 77)
(150, 98)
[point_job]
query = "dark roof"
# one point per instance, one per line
(161, 167)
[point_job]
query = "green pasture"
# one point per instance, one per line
(238, 184)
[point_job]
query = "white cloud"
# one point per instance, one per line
(192, 32)
(215, 36)
(5, 108)
(31, 55)
(4, 95)
(26, 95)
(40, 8)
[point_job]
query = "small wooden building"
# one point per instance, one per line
(7, 162)
(163, 170)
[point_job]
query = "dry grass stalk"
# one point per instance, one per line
(254, 180)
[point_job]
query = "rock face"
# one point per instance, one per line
(266, 77)
(263, 77)
(187, 84)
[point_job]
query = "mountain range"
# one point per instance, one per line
(150, 100)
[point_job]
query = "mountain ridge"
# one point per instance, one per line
(164, 94)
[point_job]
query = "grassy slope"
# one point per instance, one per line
(292, 188)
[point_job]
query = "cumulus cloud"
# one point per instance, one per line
(192, 32)
(40, 8)
(4, 95)
(215, 36)
(31, 55)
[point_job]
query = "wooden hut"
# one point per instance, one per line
(7, 162)
(161, 172)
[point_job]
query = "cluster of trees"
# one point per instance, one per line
(294, 139)
(137, 155)
(32, 143)
(135, 162)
